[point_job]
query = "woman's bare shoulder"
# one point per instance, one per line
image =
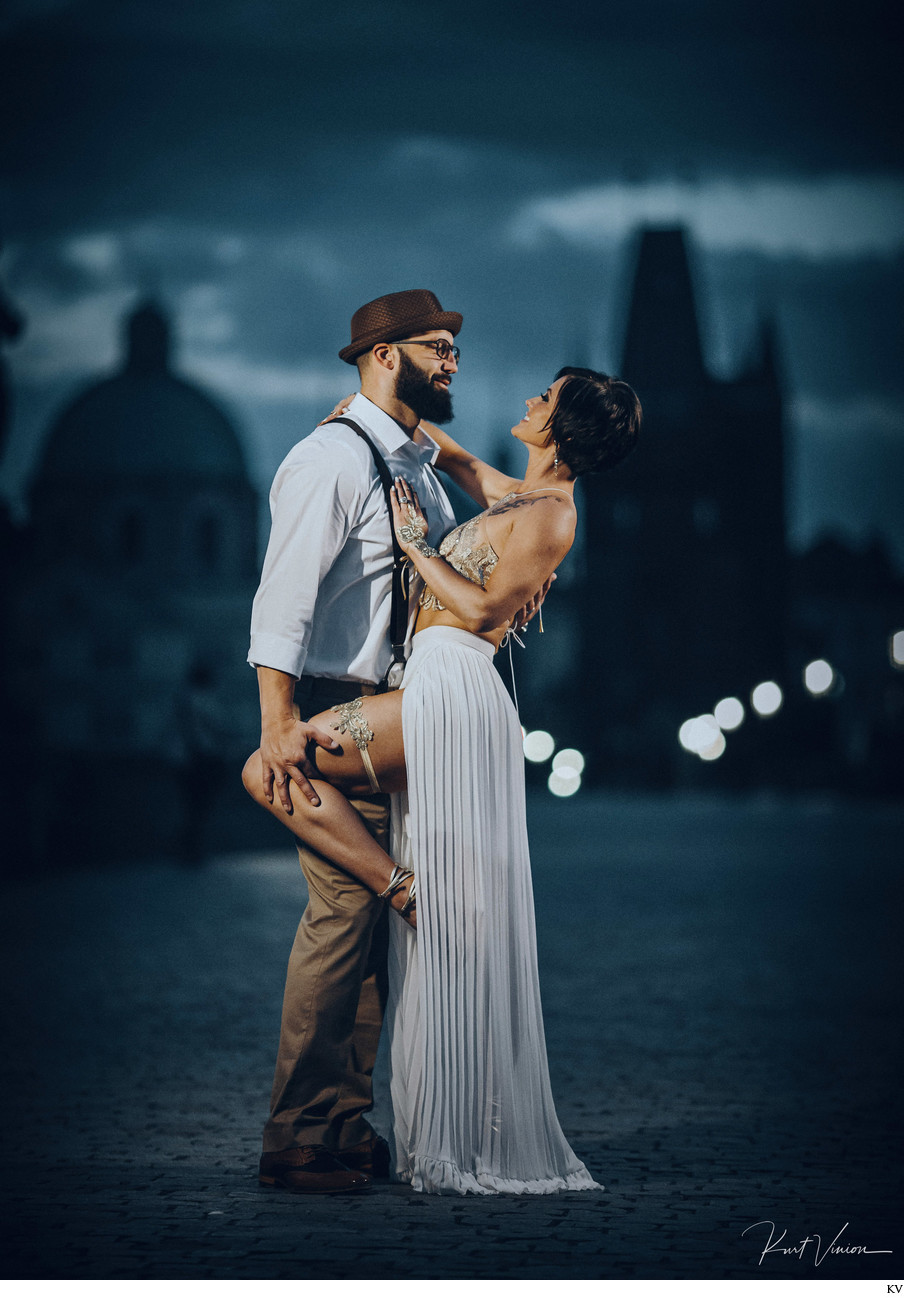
(527, 517)
(549, 502)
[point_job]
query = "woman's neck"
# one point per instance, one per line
(541, 472)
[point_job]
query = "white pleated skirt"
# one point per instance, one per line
(472, 1107)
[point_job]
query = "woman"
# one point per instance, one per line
(473, 1111)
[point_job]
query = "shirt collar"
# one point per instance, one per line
(387, 433)
(428, 449)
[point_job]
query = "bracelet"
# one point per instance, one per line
(423, 548)
(413, 534)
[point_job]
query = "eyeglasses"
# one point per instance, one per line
(443, 349)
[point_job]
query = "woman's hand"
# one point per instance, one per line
(532, 607)
(339, 408)
(408, 519)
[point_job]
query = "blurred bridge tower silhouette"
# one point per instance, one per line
(686, 556)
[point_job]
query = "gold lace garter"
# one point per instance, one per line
(354, 723)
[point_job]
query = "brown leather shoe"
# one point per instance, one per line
(370, 1157)
(309, 1169)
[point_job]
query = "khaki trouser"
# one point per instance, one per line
(335, 989)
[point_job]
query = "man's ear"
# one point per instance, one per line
(383, 356)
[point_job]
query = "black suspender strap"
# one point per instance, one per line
(398, 621)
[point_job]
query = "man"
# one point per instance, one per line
(319, 637)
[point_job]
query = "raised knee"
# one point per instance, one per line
(252, 777)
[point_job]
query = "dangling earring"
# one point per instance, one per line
(555, 463)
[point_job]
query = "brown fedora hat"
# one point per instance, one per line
(413, 311)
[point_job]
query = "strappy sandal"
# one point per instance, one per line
(398, 879)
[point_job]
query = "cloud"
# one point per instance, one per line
(838, 216)
(70, 340)
(849, 418)
(97, 254)
(204, 316)
(308, 252)
(246, 379)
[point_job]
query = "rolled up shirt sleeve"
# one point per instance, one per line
(313, 498)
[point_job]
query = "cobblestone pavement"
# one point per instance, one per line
(721, 1014)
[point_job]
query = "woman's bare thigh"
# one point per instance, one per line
(381, 715)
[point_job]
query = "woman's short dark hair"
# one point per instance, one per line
(596, 420)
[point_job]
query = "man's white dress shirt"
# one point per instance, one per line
(325, 596)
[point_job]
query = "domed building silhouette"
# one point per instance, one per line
(133, 606)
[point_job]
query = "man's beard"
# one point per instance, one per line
(427, 399)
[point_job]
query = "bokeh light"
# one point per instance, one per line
(713, 750)
(896, 648)
(569, 757)
(539, 746)
(729, 713)
(699, 733)
(766, 698)
(819, 676)
(564, 781)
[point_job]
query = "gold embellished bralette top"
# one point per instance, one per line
(473, 558)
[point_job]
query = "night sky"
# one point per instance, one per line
(264, 168)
